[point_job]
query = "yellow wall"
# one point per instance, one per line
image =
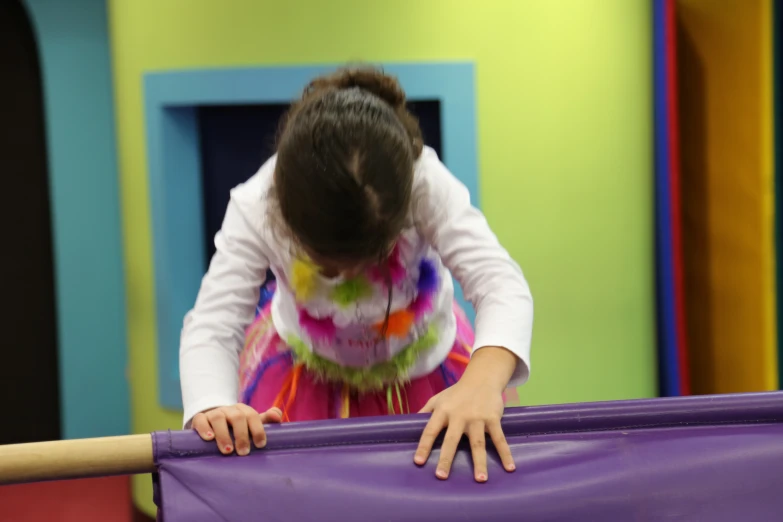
(726, 115)
(564, 115)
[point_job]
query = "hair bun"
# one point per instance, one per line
(372, 80)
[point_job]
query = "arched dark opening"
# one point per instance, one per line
(29, 387)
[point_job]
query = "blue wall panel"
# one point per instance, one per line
(73, 43)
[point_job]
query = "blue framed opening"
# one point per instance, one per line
(236, 139)
(173, 103)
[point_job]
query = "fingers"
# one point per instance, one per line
(501, 445)
(202, 427)
(255, 426)
(242, 420)
(272, 416)
(238, 420)
(478, 449)
(217, 419)
(449, 449)
(431, 432)
(256, 421)
(429, 407)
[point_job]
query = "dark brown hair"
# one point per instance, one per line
(344, 171)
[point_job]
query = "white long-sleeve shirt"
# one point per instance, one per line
(447, 230)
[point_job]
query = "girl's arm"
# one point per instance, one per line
(214, 331)
(490, 279)
(494, 283)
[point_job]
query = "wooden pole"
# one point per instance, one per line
(42, 461)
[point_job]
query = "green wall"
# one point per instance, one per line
(564, 113)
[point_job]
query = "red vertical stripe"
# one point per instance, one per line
(674, 184)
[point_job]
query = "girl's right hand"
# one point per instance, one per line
(244, 421)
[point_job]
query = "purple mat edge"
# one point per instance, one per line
(568, 418)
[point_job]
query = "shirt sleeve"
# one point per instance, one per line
(490, 279)
(213, 331)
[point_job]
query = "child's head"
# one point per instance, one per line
(344, 168)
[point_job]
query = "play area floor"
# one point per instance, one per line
(103, 499)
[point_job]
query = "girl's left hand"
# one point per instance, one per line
(472, 407)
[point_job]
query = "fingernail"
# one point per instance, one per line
(482, 477)
(209, 434)
(511, 467)
(228, 449)
(418, 460)
(242, 450)
(441, 474)
(261, 444)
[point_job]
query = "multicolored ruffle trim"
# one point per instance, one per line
(372, 378)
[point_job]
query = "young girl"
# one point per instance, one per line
(362, 227)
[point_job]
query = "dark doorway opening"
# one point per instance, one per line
(29, 383)
(237, 139)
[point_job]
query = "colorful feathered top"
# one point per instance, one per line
(335, 323)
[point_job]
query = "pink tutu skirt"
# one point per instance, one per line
(271, 377)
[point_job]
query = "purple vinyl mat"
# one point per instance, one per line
(711, 459)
